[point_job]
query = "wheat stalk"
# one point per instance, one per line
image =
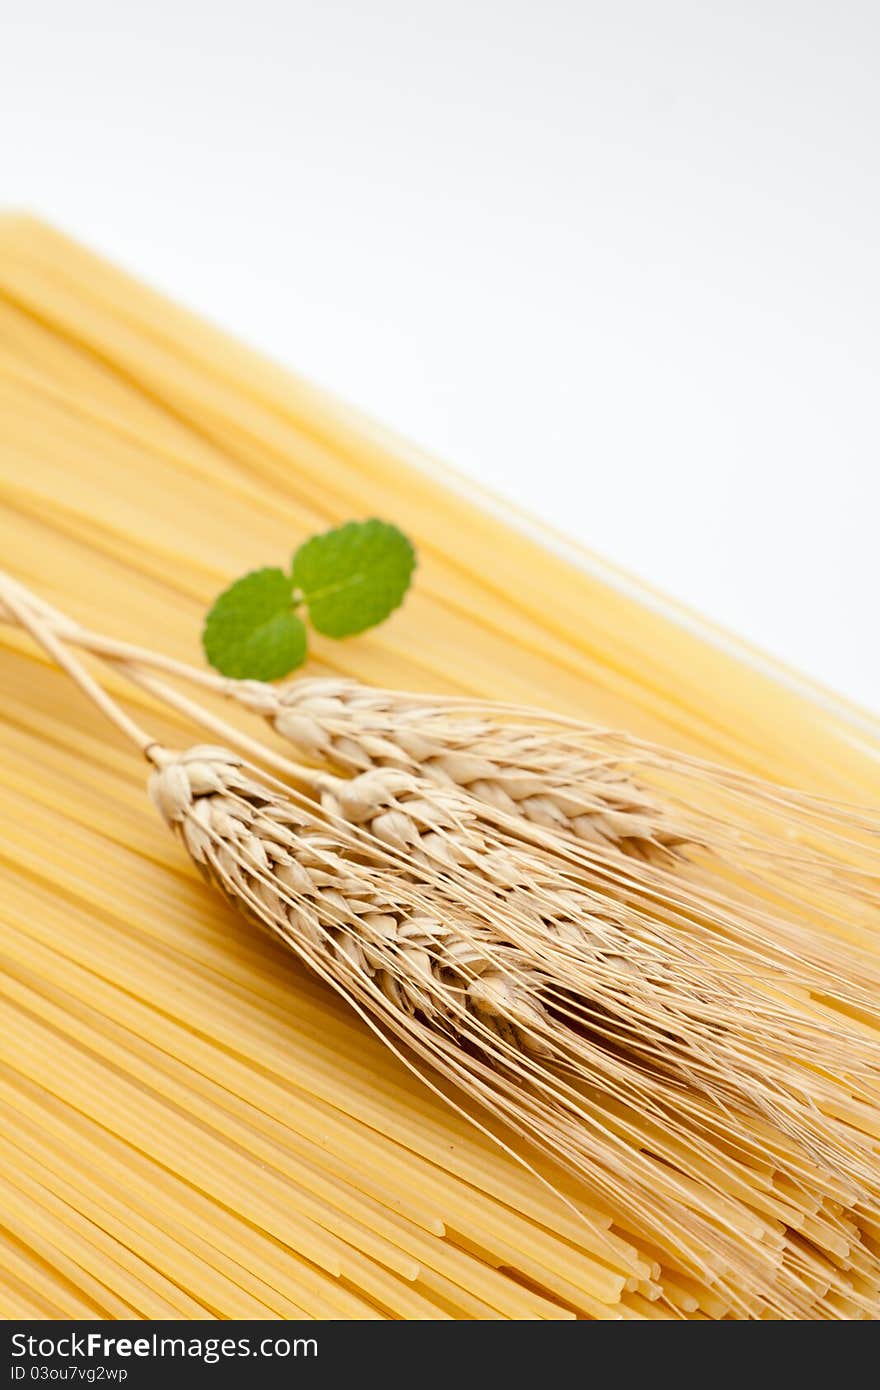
(581, 1015)
(657, 927)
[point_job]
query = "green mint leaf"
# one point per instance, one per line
(354, 576)
(252, 632)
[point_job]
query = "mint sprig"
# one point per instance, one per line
(349, 579)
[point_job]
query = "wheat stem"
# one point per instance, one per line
(44, 636)
(24, 606)
(109, 647)
(304, 776)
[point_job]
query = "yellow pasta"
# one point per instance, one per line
(195, 1127)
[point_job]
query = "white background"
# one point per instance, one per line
(619, 261)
